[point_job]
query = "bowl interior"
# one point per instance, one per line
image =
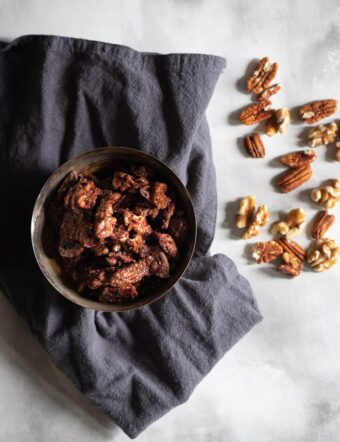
(44, 238)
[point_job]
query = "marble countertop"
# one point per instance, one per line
(282, 381)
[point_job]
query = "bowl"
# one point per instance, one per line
(44, 238)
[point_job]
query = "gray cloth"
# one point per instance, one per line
(60, 97)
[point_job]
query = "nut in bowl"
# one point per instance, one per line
(113, 229)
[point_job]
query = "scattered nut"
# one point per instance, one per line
(267, 93)
(293, 247)
(261, 218)
(323, 254)
(337, 152)
(246, 211)
(322, 222)
(316, 111)
(292, 226)
(254, 145)
(294, 178)
(255, 113)
(262, 77)
(322, 134)
(291, 264)
(297, 159)
(278, 122)
(266, 251)
(327, 196)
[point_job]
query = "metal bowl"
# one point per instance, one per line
(44, 239)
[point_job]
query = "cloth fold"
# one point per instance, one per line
(60, 97)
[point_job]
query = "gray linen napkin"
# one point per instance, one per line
(60, 97)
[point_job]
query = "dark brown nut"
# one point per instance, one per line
(137, 223)
(75, 234)
(255, 113)
(158, 262)
(166, 214)
(263, 75)
(291, 264)
(254, 145)
(294, 178)
(115, 258)
(104, 219)
(131, 273)
(122, 290)
(265, 95)
(83, 195)
(266, 251)
(124, 182)
(159, 197)
(178, 229)
(323, 221)
(290, 246)
(316, 111)
(298, 159)
(167, 244)
(142, 171)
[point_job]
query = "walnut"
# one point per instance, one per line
(278, 122)
(266, 251)
(292, 226)
(316, 111)
(323, 254)
(261, 218)
(291, 264)
(327, 196)
(263, 75)
(322, 134)
(246, 211)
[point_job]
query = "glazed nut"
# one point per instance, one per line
(246, 211)
(254, 145)
(294, 178)
(261, 218)
(267, 93)
(266, 251)
(263, 75)
(323, 221)
(337, 152)
(327, 196)
(278, 122)
(322, 134)
(291, 264)
(255, 113)
(292, 226)
(323, 254)
(298, 159)
(293, 247)
(316, 111)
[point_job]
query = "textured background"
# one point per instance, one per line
(282, 381)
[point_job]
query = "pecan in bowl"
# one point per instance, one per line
(113, 229)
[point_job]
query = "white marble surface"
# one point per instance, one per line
(281, 383)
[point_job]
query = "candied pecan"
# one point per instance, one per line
(267, 93)
(255, 113)
(158, 262)
(166, 214)
(125, 182)
(316, 111)
(263, 75)
(98, 278)
(83, 195)
(294, 178)
(142, 171)
(104, 219)
(119, 234)
(159, 197)
(266, 251)
(115, 258)
(75, 234)
(136, 244)
(132, 273)
(298, 159)
(100, 249)
(138, 223)
(254, 145)
(167, 243)
(122, 290)
(323, 221)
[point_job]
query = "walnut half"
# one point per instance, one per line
(323, 254)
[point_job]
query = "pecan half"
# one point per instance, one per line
(267, 93)
(255, 113)
(263, 75)
(293, 247)
(254, 145)
(322, 222)
(294, 178)
(298, 159)
(316, 111)
(266, 251)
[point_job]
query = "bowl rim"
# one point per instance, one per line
(41, 199)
